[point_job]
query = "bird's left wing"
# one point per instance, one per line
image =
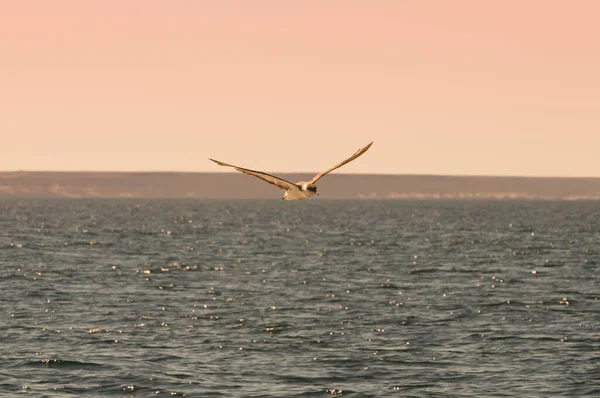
(280, 182)
(351, 158)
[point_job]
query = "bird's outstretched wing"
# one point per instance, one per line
(280, 182)
(351, 158)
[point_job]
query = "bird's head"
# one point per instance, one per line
(311, 188)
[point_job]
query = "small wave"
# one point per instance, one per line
(63, 364)
(424, 271)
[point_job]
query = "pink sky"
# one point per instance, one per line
(442, 87)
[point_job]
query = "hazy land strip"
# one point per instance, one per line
(335, 186)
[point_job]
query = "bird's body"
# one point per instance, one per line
(301, 189)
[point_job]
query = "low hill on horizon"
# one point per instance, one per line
(334, 186)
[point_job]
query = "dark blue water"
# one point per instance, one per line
(315, 298)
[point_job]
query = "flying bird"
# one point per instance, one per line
(298, 190)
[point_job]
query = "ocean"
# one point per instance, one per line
(317, 298)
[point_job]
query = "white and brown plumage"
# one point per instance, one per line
(298, 190)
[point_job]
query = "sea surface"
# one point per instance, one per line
(317, 298)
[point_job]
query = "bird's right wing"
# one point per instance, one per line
(337, 166)
(280, 182)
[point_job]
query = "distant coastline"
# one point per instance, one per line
(335, 186)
